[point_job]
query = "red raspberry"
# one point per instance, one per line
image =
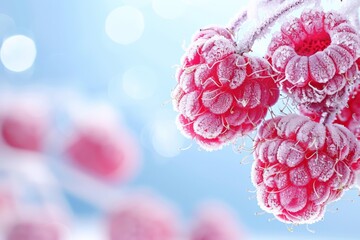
(300, 166)
(106, 152)
(23, 127)
(220, 94)
(142, 217)
(214, 222)
(350, 115)
(315, 56)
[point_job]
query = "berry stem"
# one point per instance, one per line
(328, 118)
(248, 42)
(236, 23)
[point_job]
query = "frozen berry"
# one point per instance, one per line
(34, 229)
(220, 94)
(214, 222)
(24, 127)
(102, 151)
(315, 56)
(301, 166)
(142, 217)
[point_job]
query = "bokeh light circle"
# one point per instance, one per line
(18, 53)
(169, 9)
(137, 3)
(124, 25)
(166, 138)
(139, 82)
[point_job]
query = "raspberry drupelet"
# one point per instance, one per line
(315, 56)
(221, 94)
(301, 166)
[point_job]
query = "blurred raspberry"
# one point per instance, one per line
(214, 222)
(301, 166)
(142, 217)
(34, 229)
(24, 127)
(105, 152)
(220, 94)
(315, 56)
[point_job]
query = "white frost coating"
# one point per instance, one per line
(252, 95)
(318, 71)
(297, 70)
(321, 167)
(335, 84)
(293, 198)
(290, 153)
(320, 194)
(294, 125)
(218, 102)
(282, 56)
(343, 174)
(299, 176)
(312, 134)
(186, 82)
(341, 58)
(189, 105)
(348, 41)
(208, 125)
(236, 118)
(273, 149)
(216, 49)
(202, 73)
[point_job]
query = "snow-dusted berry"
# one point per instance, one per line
(104, 151)
(34, 229)
(301, 166)
(315, 56)
(220, 94)
(24, 127)
(142, 217)
(215, 222)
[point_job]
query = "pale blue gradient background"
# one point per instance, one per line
(74, 52)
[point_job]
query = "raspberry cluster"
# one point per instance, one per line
(302, 161)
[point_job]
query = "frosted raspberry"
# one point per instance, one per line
(214, 222)
(220, 94)
(301, 166)
(315, 55)
(350, 115)
(23, 127)
(109, 153)
(142, 217)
